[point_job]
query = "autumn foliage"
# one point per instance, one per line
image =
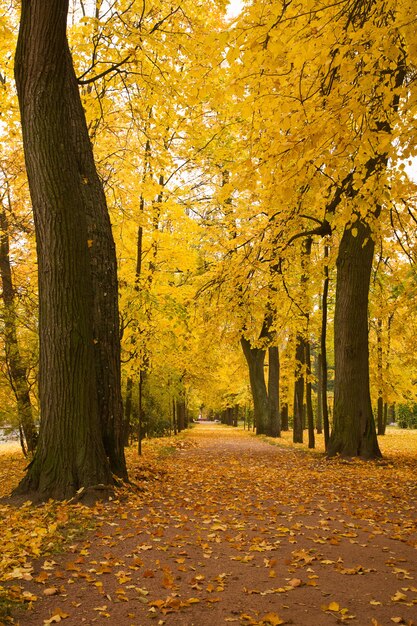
(222, 145)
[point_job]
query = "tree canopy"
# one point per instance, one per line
(242, 160)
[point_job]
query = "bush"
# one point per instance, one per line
(407, 415)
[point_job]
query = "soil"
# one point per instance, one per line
(228, 529)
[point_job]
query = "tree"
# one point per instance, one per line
(15, 363)
(367, 190)
(255, 358)
(353, 427)
(78, 340)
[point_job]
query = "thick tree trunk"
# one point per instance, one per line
(255, 358)
(299, 390)
(274, 421)
(103, 265)
(70, 452)
(353, 431)
(15, 364)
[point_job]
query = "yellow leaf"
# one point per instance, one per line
(333, 606)
(50, 591)
(56, 617)
(29, 597)
(272, 619)
(398, 597)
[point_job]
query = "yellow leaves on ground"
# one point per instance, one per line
(269, 619)
(171, 605)
(12, 466)
(220, 519)
(57, 616)
(334, 607)
(29, 532)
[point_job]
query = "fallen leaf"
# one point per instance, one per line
(399, 597)
(272, 619)
(57, 616)
(50, 591)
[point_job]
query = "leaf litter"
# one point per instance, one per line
(224, 529)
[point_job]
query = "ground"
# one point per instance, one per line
(227, 528)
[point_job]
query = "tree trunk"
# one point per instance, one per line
(128, 409)
(299, 390)
(385, 420)
(103, 265)
(180, 415)
(353, 431)
(284, 417)
(323, 351)
(274, 421)
(319, 414)
(140, 411)
(309, 402)
(15, 364)
(174, 417)
(70, 452)
(235, 415)
(255, 358)
(186, 415)
(380, 401)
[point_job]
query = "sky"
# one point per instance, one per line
(234, 8)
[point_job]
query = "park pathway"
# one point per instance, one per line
(229, 529)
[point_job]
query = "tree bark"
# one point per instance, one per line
(380, 401)
(236, 415)
(255, 358)
(140, 411)
(274, 421)
(309, 401)
(70, 452)
(353, 431)
(15, 363)
(103, 265)
(174, 417)
(299, 390)
(181, 425)
(323, 351)
(284, 417)
(128, 409)
(319, 414)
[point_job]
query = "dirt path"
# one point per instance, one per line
(234, 530)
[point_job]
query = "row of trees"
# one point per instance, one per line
(255, 174)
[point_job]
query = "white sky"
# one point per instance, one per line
(234, 8)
